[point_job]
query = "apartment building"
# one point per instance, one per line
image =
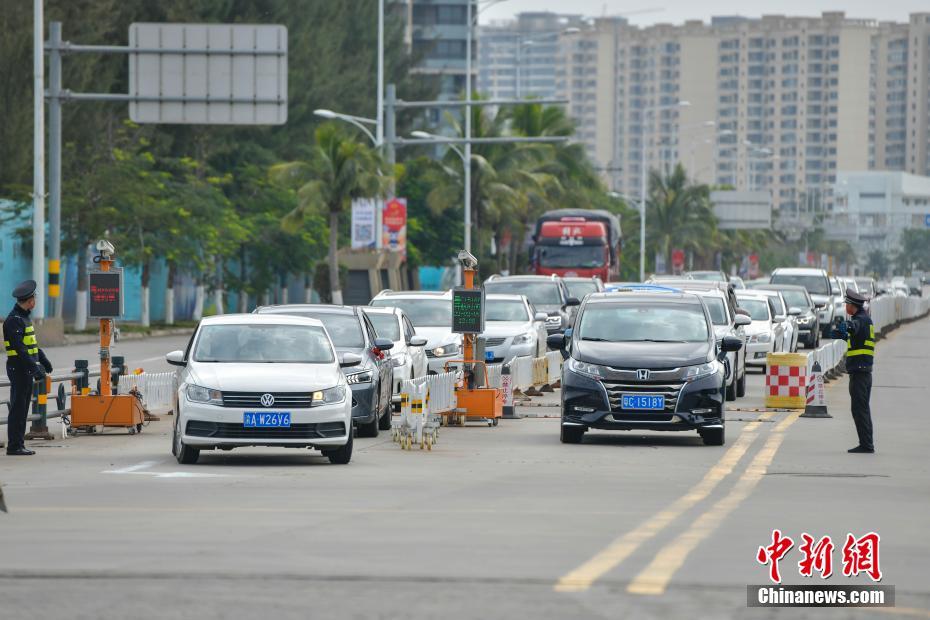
(437, 35)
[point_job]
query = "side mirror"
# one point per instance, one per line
(176, 358)
(778, 319)
(741, 320)
(555, 341)
(417, 341)
(540, 316)
(731, 344)
(742, 311)
(348, 360)
(794, 311)
(383, 344)
(572, 301)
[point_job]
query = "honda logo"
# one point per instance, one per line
(267, 400)
(642, 374)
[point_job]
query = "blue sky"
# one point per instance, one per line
(677, 11)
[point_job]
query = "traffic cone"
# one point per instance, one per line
(816, 406)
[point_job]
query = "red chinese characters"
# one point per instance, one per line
(772, 554)
(860, 555)
(817, 556)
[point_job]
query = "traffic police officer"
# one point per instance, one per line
(859, 334)
(25, 362)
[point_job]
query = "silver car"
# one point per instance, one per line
(513, 328)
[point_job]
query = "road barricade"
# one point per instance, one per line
(156, 389)
(786, 380)
(422, 400)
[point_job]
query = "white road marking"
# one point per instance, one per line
(132, 468)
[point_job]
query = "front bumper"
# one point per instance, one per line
(211, 426)
(504, 353)
(364, 396)
(594, 404)
(757, 353)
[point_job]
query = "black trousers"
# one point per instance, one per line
(860, 390)
(20, 397)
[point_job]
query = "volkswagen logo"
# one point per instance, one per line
(267, 400)
(642, 374)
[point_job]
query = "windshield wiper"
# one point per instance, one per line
(595, 339)
(656, 340)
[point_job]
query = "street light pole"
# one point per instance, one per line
(471, 28)
(379, 115)
(38, 163)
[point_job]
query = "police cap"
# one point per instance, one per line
(854, 298)
(25, 290)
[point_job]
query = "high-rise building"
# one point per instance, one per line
(437, 36)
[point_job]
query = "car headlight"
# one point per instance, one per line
(446, 350)
(804, 320)
(329, 396)
(693, 373)
(198, 394)
(760, 338)
(584, 368)
(523, 339)
(554, 321)
(399, 360)
(359, 377)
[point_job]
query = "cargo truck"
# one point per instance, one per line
(577, 242)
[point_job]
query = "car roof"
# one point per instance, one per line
(260, 319)
(750, 293)
(799, 271)
(700, 292)
(505, 297)
(703, 285)
(613, 287)
(381, 310)
(761, 291)
(303, 308)
(673, 296)
(579, 278)
(526, 278)
(387, 294)
(778, 287)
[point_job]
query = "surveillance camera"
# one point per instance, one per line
(105, 248)
(468, 260)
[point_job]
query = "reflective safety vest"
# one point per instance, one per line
(29, 340)
(866, 347)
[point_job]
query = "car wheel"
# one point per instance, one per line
(341, 455)
(369, 429)
(572, 434)
(185, 454)
(712, 436)
(741, 385)
(384, 422)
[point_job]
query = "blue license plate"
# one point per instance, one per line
(643, 402)
(489, 356)
(266, 419)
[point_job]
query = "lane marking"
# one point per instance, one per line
(654, 578)
(581, 578)
(132, 468)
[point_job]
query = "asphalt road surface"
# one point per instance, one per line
(501, 522)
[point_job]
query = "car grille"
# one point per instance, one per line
(282, 400)
(225, 430)
(670, 391)
(494, 342)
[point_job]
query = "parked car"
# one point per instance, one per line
(513, 328)
(726, 323)
(798, 298)
(579, 287)
(371, 380)
(713, 276)
(643, 360)
(430, 313)
(409, 353)
(790, 315)
(261, 380)
(817, 283)
(766, 333)
(867, 286)
(547, 294)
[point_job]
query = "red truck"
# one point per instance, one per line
(577, 242)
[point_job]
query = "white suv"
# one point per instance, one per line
(430, 312)
(817, 283)
(408, 354)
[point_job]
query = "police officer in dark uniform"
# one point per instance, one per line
(25, 363)
(859, 334)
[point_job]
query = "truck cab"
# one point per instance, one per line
(573, 247)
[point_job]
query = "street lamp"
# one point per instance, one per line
(642, 163)
(357, 121)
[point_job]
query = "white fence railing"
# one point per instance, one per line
(439, 391)
(157, 388)
(887, 311)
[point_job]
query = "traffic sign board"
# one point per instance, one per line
(467, 310)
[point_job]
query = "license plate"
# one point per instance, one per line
(489, 356)
(266, 419)
(647, 402)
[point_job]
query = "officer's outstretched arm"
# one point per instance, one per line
(46, 364)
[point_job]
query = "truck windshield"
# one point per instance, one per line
(643, 323)
(567, 256)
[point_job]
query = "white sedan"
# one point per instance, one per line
(512, 329)
(409, 352)
(262, 380)
(766, 332)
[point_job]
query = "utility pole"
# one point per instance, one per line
(38, 163)
(54, 171)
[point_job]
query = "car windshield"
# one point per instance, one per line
(796, 298)
(500, 310)
(539, 293)
(643, 323)
(580, 288)
(815, 285)
(566, 256)
(386, 325)
(710, 276)
(286, 344)
(758, 308)
(421, 312)
(717, 309)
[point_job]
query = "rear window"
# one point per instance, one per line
(815, 285)
(643, 323)
(421, 312)
(386, 325)
(758, 308)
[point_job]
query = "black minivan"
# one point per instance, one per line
(643, 360)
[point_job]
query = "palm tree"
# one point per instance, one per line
(679, 213)
(340, 169)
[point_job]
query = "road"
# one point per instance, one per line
(499, 522)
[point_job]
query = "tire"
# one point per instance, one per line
(731, 391)
(572, 434)
(741, 385)
(369, 429)
(712, 436)
(384, 422)
(343, 454)
(185, 454)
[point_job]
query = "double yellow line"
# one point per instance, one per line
(655, 577)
